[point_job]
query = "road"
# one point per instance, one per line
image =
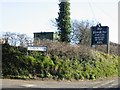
(101, 83)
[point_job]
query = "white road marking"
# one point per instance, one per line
(102, 84)
(114, 84)
(28, 85)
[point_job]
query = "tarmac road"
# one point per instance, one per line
(101, 83)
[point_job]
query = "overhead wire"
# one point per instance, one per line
(103, 11)
(94, 16)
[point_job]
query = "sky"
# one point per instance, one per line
(29, 16)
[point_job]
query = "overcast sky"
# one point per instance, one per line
(29, 16)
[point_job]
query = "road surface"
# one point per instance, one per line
(101, 83)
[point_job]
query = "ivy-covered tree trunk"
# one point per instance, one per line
(63, 21)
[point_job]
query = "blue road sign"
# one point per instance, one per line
(99, 35)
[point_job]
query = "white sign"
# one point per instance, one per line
(39, 48)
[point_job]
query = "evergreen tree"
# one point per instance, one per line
(63, 21)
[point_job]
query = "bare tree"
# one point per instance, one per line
(16, 39)
(6, 37)
(80, 32)
(23, 39)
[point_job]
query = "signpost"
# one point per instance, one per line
(100, 36)
(37, 48)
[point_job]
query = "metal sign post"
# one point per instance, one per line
(100, 36)
(108, 48)
(108, 44)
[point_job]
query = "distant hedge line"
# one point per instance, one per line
(62, 61)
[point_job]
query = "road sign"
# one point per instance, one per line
(37, 48)
(99, 35)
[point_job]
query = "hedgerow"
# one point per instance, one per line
(61, 61)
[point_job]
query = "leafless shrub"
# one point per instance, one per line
(64, 50)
